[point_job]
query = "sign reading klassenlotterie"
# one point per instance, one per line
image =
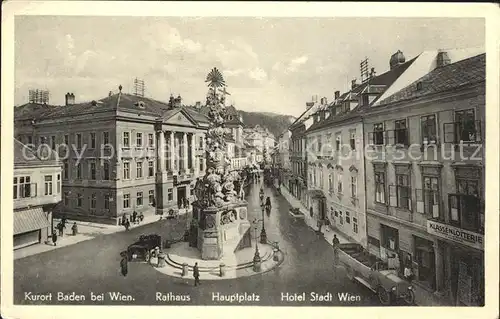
(456, 234)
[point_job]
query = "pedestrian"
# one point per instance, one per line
(64, 220)
(134, 217)
(60, 227)
(54, 237)
(124, 266)
(127, 224)
(196, 274)
(336, 244)
(320, 225)
(74, 228)
(141, 217)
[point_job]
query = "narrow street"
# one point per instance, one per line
(93, 266)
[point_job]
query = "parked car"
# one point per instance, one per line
(141, 249)
(373, 273)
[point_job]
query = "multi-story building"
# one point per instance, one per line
(37, 191)
(336, 161)
(297, 181)
(425, 174)
(139, 154)
(283, 157)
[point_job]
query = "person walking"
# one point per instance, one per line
(134, 217)
(336, 243)
(74, 229)
(54, 237)
(196, 274)
(127, 224)
(124, 266)
(60, 227)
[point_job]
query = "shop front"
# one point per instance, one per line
(31, 226)
(461, 272)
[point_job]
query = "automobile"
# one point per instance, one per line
(373, 273)
(141, 249)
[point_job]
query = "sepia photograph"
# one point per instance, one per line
(248, 161)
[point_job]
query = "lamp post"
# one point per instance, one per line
(256, 258)
(263, 235)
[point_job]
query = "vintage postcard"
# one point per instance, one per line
(305, 156)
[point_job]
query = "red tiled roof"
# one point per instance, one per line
(449, 77)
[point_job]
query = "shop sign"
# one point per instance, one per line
(456, 234)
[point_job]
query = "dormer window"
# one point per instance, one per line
(140, 104)
(419, 86)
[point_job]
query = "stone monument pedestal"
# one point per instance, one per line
(222, 230)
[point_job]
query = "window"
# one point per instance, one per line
(378, 134)
(66, 140)
(79, 171)
(347, 217)
(366, 101)
(201, 165)
(138, 169)
(466, 130)
(53, 142)
(338, 140)
(92, 171)
(93, 201)
(429, 203)
(79, 200)
(341, 218)
(170, 194)
(126, 139)
(106, 201)
(428, 127)
(138, 140)
(339, 183)
(126, 170)
(152, 197)
(320, 144)
(400, 194)
(92, 140)
(380, 187)
(48, 184)
(59, 183)
(106, 171)
(151, 169)
(401, 132)
(352, 139)
(78, 141)
(23, 188)
(466, 210)
(201, 142)
(330, 183)
(419, 86)
(126, 200)
(66, 198)
(105, 138)
(139, 199)
(390, 238)
(151, 141)
(65, 170)
(355, 225)
(354, 187)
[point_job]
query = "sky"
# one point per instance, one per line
(269, 64)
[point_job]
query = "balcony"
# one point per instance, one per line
(468, 132)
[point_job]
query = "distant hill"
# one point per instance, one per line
(275, 123)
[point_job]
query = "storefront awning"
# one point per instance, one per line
(316, 193)
(29, 220)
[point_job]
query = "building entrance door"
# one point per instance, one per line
(181, 196)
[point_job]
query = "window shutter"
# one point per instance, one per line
(449, 132)
(389, 137)
(420, 200)
(393, 202)
(33, 189)
(370, 138)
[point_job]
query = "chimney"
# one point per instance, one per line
(372, 73)
(337, 94)
(70, 99)
(198, 105)
(309, 104)
(442, 59)
(354, 84)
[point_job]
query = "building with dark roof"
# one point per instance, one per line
(425, 176)
(137, 154)
(36, 192)
(335, 169)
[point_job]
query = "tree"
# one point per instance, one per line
(216, 188)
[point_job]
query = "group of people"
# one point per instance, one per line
(136, 218)
(183, 202)
(60, 227)
(267, 203)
